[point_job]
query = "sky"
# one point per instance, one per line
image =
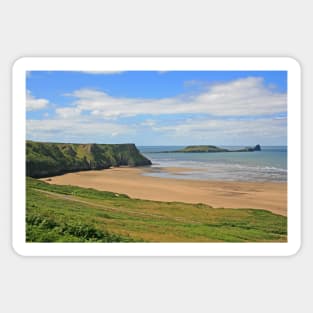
(151, 108)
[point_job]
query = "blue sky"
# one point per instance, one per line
(158, 108)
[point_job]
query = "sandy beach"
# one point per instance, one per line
(229, 194)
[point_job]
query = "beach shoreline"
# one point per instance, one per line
(271, 196)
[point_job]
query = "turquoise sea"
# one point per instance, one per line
(269, 164)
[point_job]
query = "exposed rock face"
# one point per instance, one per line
(257, 148)
(248, 149)
(49, 159)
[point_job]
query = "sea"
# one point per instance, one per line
(267, 165)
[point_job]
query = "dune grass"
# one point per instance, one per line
(57, 213)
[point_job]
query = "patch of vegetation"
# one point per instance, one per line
(45, 229)
(57, 213)
(49, 159)
(203, 149)
(210, 148)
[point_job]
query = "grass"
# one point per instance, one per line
(57, 213)
(45, 159)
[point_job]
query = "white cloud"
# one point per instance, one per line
(74, 129)
(68, 112)
(225, 126)
(242, 97)
(33, 103)
(196, 131)
(229, 131)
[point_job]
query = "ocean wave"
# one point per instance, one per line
(194, 164)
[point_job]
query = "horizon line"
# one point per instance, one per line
(157, 145)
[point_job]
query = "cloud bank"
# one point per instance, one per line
(243, 97)
(242, 110)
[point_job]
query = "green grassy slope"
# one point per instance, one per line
(72, 214)
(203, 149)
(210, 148)
(49, 159)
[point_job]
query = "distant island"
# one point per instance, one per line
(44, 159)
(210, 148)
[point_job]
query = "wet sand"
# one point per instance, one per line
(257, 195)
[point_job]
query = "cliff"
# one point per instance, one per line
(248, 149)
(49, 159)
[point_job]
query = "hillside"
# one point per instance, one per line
(203, 148)
(49, 159)
(56, 213)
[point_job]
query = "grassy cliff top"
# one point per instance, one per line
(210, 148)
(48, 159)
(203, 148)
